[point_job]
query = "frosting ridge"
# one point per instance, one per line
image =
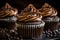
(29, 14)
(47, 10)
(7, 10)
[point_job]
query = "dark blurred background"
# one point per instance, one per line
(21, 4)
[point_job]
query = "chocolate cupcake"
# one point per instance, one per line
(7, 16)
(30, 23)
(50, 17)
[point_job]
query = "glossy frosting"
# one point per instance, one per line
(7, 10)
(29, 14)
(47, 10)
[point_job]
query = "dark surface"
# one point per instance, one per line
(12, 34)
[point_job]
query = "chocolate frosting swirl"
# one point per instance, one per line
(29, 14)
(47, 10)
(7, 10)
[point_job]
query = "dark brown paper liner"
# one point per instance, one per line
(51, 23)
(30, 30)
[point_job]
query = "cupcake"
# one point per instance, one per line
(50, 17)
(7, 16)
(30, 23)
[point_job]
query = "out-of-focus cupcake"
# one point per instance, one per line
(49, 16)
(30, 23)
(7, 16)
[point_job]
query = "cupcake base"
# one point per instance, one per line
(8, 22)
(30, 29)
(51, 23)
(51, 26)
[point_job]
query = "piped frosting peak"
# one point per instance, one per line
(7, 10)
(6, 6)
(30, 8)
(29, 14)
(47, 10)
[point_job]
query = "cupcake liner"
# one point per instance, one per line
(9, 19)
(31, 30)
(51, 23)
(33, 25)
(51, 19)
